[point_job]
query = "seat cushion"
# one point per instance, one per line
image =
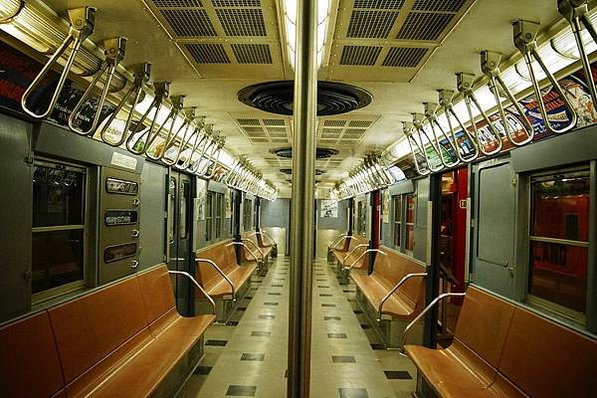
(375, 290)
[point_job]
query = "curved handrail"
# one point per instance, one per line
(257, 248)
(271, 240)
(220, 141)
(355, 248)
(234, 243)
(525, 33)
(430, 114)
(464, 82)
(422, 313)
(82, 22)
(336, 242)
(490, 61)
(142, 74)
(400, 283)
(577, 14)
(198, 132)
(213, 264)
(162, 90)
(362, 255)
(177, 105)
(207, 296)
(115, 49)
(418, 124)
(408, 131)
(445, 102)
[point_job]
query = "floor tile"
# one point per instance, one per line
(267, 317)
(397, 375)
(202, 370)
(261, 334)
(217, 343)
(328, 305)
(241, 391)
(337, 336)
(331, 318)
(252, 357)
(353, 393)
(270, 303)
(343, 359)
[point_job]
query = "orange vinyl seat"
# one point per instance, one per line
(224, 256)
(356, 247)
(503, 350)
(388, 271)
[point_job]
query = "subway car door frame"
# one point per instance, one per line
(180, 194)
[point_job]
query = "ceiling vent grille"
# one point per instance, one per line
(424, 26)
(379, 4)
(252, 53)
(208, 53)
(189, 23)
(404, 57)
(274, 122)
(177, 3)
(344, 132)
(261, 130)
(360, 123)
(360, 55)
(438, 5)
(334, 123)
(242, 22)
(236, 3)
(371, 24)
(248, 122)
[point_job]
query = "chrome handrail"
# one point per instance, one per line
(198, 132)
(338, 240)
(387, 296)
(220, 141)
(177, 105)
(422, 313)
(418, 119)
(355, 248)
(142, 74)
(362, 255)
(206, 139)
(268, 236)
(184, 142)
(251, 252)
(213, 264)
(490, 61)
(82, 22)
(464, 82)
(115, 49)
(577, 14)
(430, 114)
(161, 92)
(408, 132)
(525, 33)
(207, 296)
(445, 102)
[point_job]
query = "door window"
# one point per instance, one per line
(410, 222)
(397, 206)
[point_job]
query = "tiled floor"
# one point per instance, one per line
(248, 358)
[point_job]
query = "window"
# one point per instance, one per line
(410, 222)
(58, 242)
(209, 216)
(247, 215)
(397, 208)
(361, 219)
(219, 215)
(184, 211)
(559, 242)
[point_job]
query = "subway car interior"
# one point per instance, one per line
(298, 198)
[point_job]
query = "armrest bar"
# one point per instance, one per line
(256, 248)
(207, 296)
(246, 247)
(422, 313)
(357, 247)
(406, 277)
(268, 236)
(361, 256)
(213, 264)
(337, 241)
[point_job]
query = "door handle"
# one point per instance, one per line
(135, 233)
(134, 264)
(135, 202)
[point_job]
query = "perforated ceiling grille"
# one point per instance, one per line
(189, 23)
(252, 53)
(403, 57)
(236, 3)
(424, 26)
(242, 22)
(371, 24)
(379, 4)
(208, 53)
(177, 3)
(360, 55)
(438, 5)
(342, 131)
(276, 131)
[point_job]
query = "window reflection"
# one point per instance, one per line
(559, 239)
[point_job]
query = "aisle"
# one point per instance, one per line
(248, 359)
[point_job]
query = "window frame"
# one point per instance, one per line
(39, 298)
(397, 223)
(407, 223)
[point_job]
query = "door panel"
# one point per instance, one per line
(495, 228)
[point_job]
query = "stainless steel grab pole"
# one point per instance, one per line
(303, 196)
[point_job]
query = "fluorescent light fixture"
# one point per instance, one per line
(290, 19)
(397, 173)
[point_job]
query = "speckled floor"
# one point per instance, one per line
(247, 357)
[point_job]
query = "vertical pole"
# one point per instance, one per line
(236, 216)
(258, 214)
(350, 216)
(374, 242)
(432, 280)
(303, 198)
